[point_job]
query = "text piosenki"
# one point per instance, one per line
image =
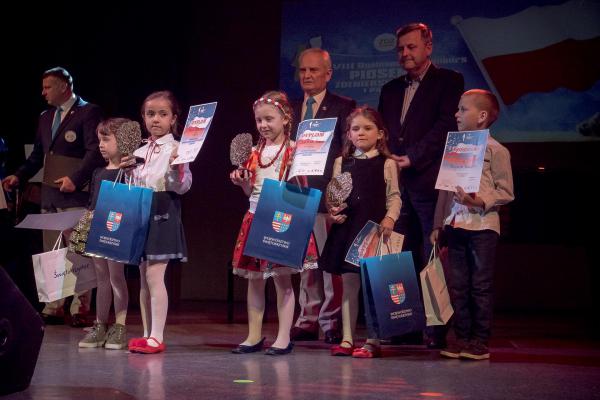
(276, 242)
(73, 270)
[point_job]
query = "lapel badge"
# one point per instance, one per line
(70, 136)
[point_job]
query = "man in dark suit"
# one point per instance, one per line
(66, 139)
(320, 292)
(418, 109)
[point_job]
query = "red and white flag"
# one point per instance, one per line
(539, 49)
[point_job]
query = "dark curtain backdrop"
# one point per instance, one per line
(228, 52)
(120, 52)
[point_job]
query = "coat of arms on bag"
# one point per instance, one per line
(281, 221)
(114, 220)
(397, 293)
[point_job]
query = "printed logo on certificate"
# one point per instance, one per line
(312, 146)
(195, 131)
(462, 162)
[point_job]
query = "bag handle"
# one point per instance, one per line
(380, 246)
(121, 175)
(58, 243)
(433, 254)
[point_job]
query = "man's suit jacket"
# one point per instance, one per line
(332, 106)
(76, 137)
(429, 118)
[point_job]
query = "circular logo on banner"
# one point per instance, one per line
(385, 42)
(70, 136)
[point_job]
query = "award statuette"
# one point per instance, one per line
(339, 189)
(240, 150)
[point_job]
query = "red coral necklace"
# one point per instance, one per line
(260, 164)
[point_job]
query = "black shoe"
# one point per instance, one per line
(301, 335)
(52, 319)
(275, 351)
(243, 349)
(476, 350)
(332, 337)
(80, 321)
(435, 343)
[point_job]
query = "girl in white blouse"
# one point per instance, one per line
(166, 240)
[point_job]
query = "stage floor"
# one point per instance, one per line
(533, 357)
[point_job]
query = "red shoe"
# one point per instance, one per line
(367, 351)
(144, 348)
(135, 343)
(339, 350)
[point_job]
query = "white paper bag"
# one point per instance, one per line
(436, 299)
(60, 274)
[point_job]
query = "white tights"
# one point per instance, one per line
(154, 301)
(351, 282)
(256, 309)
(111, 282)
(351, 285)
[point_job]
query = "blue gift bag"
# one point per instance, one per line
(120, 224)
(284, 218)
(391, 295)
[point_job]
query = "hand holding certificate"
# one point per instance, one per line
(369, 243)
(312, 146)
(194, 133)
(462, 162)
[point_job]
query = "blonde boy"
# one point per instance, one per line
(472, 226)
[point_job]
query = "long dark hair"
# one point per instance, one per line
(372, 115)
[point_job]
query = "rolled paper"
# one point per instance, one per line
(241, 149)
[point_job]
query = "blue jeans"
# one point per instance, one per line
(471, 255)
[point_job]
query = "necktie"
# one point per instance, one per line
(56, 122)
(309, 109)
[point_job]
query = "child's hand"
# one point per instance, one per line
(127, 162)
(240, 176)
(433, 238)
(467, 199)
(387, 226)
(335, 216)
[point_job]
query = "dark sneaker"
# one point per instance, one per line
(454, 349)
(476, 350)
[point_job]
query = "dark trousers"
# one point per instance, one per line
(471, 255)
(416, 223)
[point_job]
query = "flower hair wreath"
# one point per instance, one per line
(266, 100)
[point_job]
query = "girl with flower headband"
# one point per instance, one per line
(166, 240)
(116, 137)
(270, 158)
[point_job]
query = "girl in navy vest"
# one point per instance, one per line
(375, 196)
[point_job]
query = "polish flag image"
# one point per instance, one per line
(539, 49)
